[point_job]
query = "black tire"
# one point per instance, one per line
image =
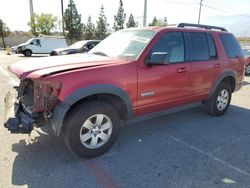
(74, 123)
(53, 53)
(27, 53)
(211, 104)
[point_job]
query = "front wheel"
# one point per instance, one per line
(27, 53)
(91, 128)
(219, 102)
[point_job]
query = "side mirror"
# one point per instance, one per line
(158, 58)
(32, 43)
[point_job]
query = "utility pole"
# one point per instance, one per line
(199, 18)
(31, 9)
(145, 14)
(62, 17)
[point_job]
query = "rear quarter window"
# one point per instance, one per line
(231, 46)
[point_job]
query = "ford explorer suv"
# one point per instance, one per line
(133, 74)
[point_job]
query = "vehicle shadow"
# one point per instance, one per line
(34, 56)
(150, 153)
(245, 83)
(38, 160)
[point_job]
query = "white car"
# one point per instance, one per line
(41, 45)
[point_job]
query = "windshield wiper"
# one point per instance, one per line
(100, 53)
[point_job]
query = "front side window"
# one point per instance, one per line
(169, 48)
(35, 42)
(200, 49)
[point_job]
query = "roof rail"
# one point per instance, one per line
(201, 26)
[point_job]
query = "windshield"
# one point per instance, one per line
(78, 44)
(28, 42)
(126, 44)
(246, 52)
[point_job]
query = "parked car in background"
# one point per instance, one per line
(78, 47)
(246, 53)
(41, 45)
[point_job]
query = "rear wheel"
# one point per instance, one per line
(91, 128)
(27, 53)
(219, 102)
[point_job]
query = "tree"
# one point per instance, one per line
(33, 25)
(72, 20)
(131, 22)
(159, 22)
(4, 31)
(120, 17)
(102, 25)
(89, 30)
(42, 24)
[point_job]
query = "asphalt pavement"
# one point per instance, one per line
(187, 149)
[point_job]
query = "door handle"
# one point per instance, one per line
(182, 70)
(217, 65)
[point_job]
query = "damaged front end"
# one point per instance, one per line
(32, 106)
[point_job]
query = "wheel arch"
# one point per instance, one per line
(228, 77)
(114, 95)
(27, 49)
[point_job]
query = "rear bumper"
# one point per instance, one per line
(15, 119)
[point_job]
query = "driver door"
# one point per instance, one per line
(35, 46)
(166, 81)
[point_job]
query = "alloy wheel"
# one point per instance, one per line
(222, 100)
(96, 131)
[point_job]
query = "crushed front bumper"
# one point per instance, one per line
(15, 119)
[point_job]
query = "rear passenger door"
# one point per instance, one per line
(205, 64)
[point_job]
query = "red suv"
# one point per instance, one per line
(133, 74)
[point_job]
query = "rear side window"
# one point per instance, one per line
(200, 49)
(231, 45)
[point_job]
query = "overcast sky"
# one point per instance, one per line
(232, 14)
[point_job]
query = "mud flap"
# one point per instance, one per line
(15, 120)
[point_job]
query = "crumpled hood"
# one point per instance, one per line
(48, 65)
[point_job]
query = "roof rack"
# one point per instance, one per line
(51, 36)
(201, 26)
